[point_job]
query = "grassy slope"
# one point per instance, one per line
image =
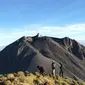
(21, 78)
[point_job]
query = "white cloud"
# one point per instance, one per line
(75, 31)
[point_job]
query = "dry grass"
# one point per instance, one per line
(22, 78)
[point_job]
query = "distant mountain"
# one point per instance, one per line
(28, 52)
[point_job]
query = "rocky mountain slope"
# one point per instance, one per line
(28, 52)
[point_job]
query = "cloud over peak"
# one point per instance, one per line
(75, 31)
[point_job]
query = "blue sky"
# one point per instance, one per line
(58, 18)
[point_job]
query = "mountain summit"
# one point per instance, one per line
(28, 52)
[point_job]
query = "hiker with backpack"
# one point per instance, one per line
(41, 69)
(61, 70)
(53, 68)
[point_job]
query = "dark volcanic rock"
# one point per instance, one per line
(72, 46)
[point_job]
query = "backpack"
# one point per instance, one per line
(41, 68)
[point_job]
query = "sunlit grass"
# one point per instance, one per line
(21, 78)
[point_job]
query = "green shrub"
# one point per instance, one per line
(16, 82)
(20, 74)
(7, 82)
(1, 75)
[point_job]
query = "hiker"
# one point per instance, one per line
(53, 68)
(61, 70)
(41, 69)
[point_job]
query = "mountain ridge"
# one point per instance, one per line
(28, 52)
